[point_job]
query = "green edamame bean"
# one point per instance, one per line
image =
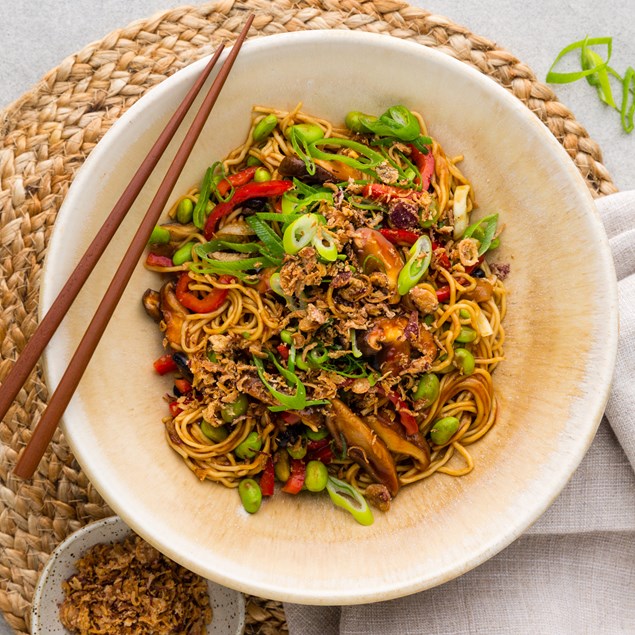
(236, 409)
(252, 161)
(261, 175)
(316, 435)
(427, 389)
(464, 314)
(316, 476)
(464, 361)
(249, 446)
(443, 430)
(185, 211)
(307, 132)
(159, 236)
(466, 335)
(298, 449)
(286, 337)
(250, 495)
(214, 433)
(354, 121)
(183, 254)
(282, 466)
(265, 127)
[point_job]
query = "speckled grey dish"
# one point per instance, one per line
(228, 605)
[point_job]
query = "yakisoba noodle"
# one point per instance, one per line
(329, 311)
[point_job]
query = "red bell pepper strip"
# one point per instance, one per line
(477, 264)
(209, 303)
(443, 293)
(325, 455)
(425, 165)
(314, 446)
(236, 180)
(283, 349)
(290, 418)
(183, 386)
(296, 480)
(405, 416)
(320, 451)
(165, 364)
(242, 194)
(175, 408)
(401, 237)
(442, 257)
(155, 260)
(381, 191)
(267, 479)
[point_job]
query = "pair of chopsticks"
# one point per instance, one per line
(43, 433)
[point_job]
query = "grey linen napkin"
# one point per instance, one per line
(573, 571)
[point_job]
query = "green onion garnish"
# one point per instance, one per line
(200, 209)
(347, 497)
(597, 72)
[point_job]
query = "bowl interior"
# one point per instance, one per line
(560, 347)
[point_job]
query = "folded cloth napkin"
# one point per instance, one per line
(573, 571)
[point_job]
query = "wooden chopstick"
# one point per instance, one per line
(34, 450)
(38, 341)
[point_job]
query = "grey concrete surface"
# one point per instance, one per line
(36, 35)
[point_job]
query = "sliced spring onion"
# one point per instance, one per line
(420, 255)
(324, 243)
(361, 203)
(484, 327)
(627, 111)
(433, 215)
(597, 72)
(243, 248)
(299, 233)
(554, 77)
(267, 235)
(372, 158)
(301, 148)
(218, 169)
(600, 79)
(200, 209)
(274, 283)
(354, 347)
(396, 123)
(296, 401)
(353, 368)
(276, 217)
(460, 210)
(318, 355)
(347, 497)
(483, 230)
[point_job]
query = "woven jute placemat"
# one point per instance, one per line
(44, 138)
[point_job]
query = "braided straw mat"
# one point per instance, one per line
(44, 138)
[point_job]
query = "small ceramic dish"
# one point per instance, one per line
(228, 606)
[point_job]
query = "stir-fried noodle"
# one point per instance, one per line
(327, 299)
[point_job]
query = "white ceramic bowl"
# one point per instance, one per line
(228, 606)
(561, 334)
